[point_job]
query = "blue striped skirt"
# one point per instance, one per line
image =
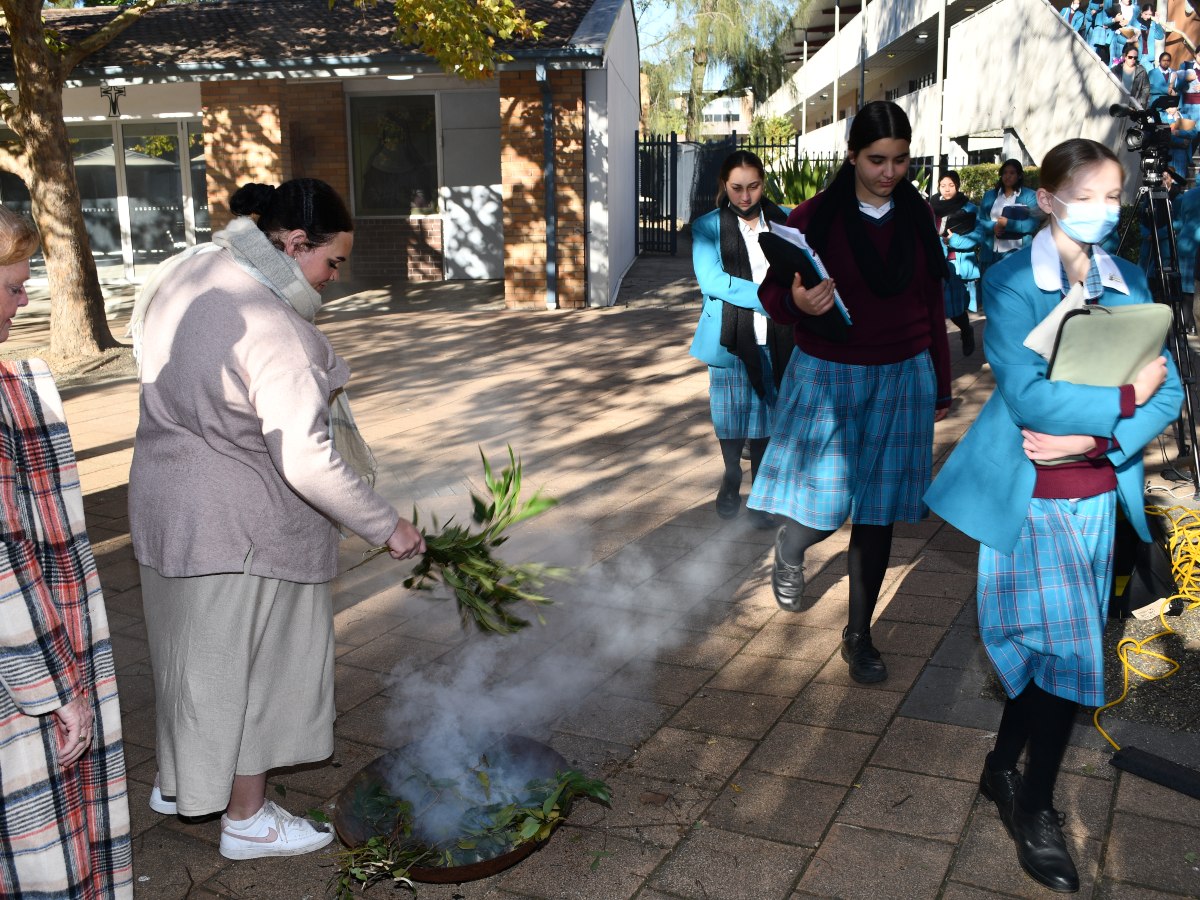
(849, 440)
(1042, 607)
(737, 411)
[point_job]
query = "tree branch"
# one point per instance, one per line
(105, 35)
(14, 163)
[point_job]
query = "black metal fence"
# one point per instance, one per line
(663, 202)
(657, 174)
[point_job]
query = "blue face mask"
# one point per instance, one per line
(1089, 223)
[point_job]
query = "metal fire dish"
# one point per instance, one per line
(354, 829)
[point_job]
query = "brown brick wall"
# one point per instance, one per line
(243, 138)
(265, 131)
(521, 142)
(407, 249)
(318, 145)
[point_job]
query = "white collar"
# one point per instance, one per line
(744, 224)
(1047, 267)
(876, 212)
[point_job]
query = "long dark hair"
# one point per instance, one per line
(1014, 164)
(879, 120)
(308, 204)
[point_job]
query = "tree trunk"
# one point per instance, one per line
(695, 98)
(78, 326)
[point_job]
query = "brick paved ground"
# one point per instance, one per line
(744, 763)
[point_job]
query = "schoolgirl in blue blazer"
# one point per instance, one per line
(1046, 530)
(1007, 234)
(745, 351)
(1095, 28)
(957, 222)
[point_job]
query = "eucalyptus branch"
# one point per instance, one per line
(487, 589)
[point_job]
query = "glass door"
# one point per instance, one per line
(154, 186)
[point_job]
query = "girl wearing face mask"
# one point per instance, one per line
(745, 351)
(1073, 16)
(1046, 531)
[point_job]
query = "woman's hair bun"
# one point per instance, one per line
(251, 199)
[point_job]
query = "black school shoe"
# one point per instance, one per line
(968, 340)
(1001, 788)
(787, 581)
(1042, 849)
(729, 497)
(866, 666)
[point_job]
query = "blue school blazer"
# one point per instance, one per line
(986, 485)
(967, 247)
(718, 288)
(1022, 228)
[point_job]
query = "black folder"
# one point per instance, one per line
(786, 260)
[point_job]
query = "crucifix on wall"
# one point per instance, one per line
(113, 94)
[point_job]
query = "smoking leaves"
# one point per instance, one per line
(529, 814)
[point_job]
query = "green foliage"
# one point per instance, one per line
(158, 145)
(461, 34)
(771, 130)
(921, 182)
(664, 109)
(486, 588)
(790, 183)
(742, 36)
(485, 831)
(983, 177)
(770, 137)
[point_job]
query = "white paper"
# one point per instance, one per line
(1041, 339)
(796, 236)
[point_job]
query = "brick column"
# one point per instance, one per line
(521, 149)
(318, 146)
(243, 139)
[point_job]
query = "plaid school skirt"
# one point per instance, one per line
(849, 440)
(1042, 607)
(737, 411)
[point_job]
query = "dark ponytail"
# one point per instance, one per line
(307, 204)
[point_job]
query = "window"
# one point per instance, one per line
(394, 141)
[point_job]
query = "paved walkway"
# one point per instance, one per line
(744, 763)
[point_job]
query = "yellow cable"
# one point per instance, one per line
(1184, 548)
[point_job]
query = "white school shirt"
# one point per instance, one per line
(758, 267)
(1003, 245)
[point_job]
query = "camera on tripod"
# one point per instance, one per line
(1148, 135)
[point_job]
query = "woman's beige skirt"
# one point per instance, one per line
(243, 678)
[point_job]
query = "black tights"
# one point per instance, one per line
(1043, 721)
(731, 454)
(870, 547)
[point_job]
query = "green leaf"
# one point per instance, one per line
(280, 790)
(529, 828)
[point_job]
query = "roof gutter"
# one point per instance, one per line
(320, 67)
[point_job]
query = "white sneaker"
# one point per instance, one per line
(271, 832)
(161, 804)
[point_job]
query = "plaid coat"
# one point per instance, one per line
(63, 833)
